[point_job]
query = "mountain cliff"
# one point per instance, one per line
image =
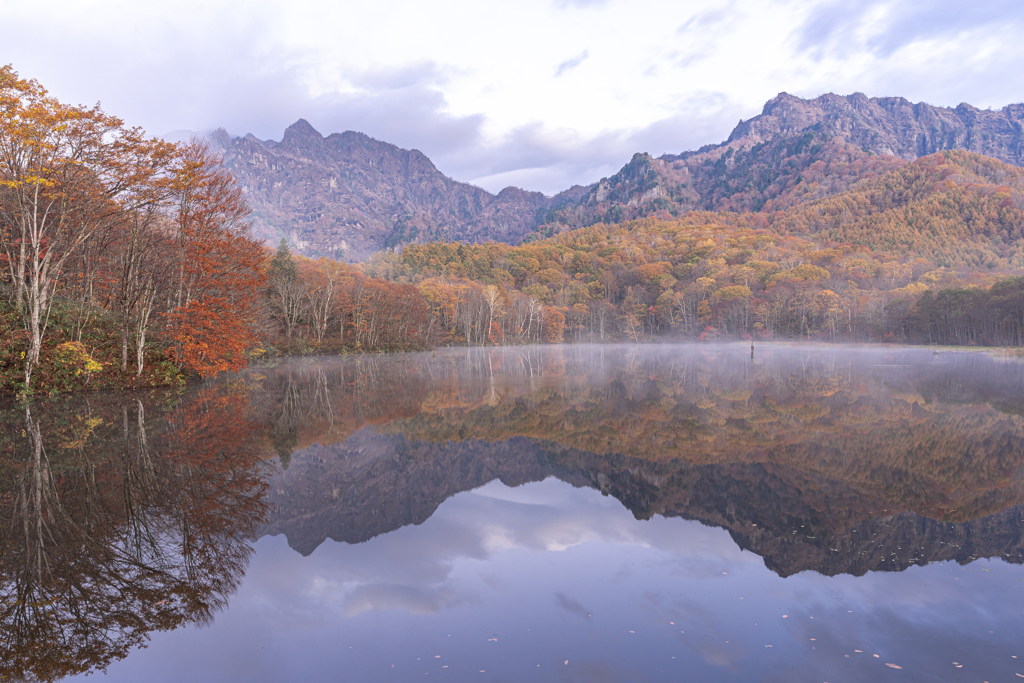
(796, 151)
(890, 126)
(348, 195)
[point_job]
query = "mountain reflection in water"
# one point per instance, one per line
(835, 460)
(123, 515)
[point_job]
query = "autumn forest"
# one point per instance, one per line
(129, 261)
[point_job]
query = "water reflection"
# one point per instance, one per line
(514, 582)
(120, 516)
(837, 461)
(125, 515)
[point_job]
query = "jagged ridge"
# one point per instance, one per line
(348, 195)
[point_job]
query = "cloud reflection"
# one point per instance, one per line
(408, 598)
(412, 568)
(446, 592)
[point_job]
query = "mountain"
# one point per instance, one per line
(953, 208)
(348, 195)
(891, 126)
(796, 151)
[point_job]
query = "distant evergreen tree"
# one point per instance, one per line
(282, 267)
(285, 443)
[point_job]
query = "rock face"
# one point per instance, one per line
(795, 151)
(891, 126)
(348, 195)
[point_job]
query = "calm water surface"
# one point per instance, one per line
(652, 513)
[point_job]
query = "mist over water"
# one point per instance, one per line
(624, 513)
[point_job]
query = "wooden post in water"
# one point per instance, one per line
(751, 349)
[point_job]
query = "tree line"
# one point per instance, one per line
(679, 279)
(108, 236)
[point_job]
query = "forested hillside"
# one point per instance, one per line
(682, 279)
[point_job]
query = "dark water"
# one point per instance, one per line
(568, 514)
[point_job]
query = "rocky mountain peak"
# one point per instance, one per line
(302, 135)
(514, 193)
(891, 125)
(219, 139)
(349, 195)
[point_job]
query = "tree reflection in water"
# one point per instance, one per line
(803, 454)
(120, 516)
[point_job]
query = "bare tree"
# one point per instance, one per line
(321, 306)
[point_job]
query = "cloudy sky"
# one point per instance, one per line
(539, 93)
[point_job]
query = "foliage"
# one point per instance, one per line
(209, 337)
(67, 174)
(113, 243)
(656, 278)
(282, 266)
(953, 208)
(72, 361)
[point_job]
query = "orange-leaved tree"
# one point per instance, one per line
(66, 173)
(213, 321)
(554, 325)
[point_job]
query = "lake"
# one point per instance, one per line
(571, 513)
